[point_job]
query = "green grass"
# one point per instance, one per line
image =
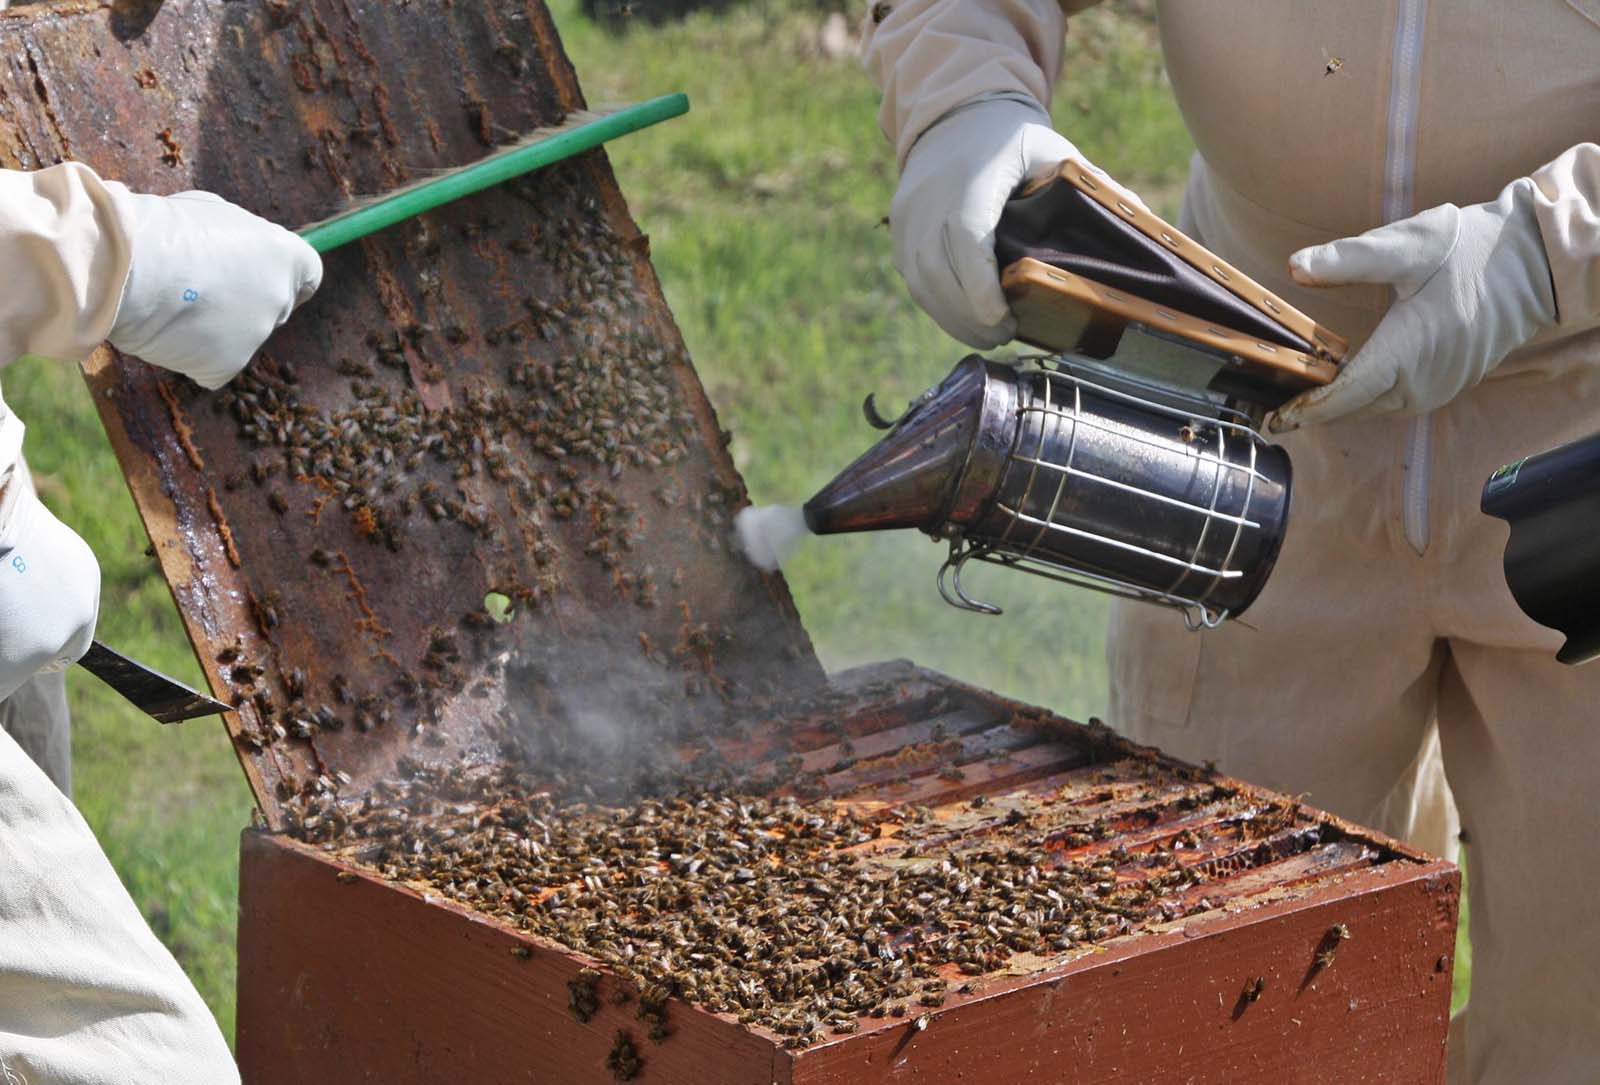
(764, 206)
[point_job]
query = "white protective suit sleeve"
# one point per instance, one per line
(88, 994)
(1567, 205)
(929, 57)
(65, 246)
(965, 87)
(66, 252)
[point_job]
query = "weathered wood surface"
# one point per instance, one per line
(454, 343)
(1170, 1007)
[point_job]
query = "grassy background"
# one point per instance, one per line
(764, 207)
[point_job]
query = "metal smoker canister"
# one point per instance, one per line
(1154, 496)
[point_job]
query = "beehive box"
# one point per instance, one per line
(456, 546)
(969, 890)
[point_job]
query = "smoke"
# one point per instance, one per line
(593, 711)
(768, 534)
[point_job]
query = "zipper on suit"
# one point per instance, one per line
(1399, 169)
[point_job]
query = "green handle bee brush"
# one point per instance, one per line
(581, 131)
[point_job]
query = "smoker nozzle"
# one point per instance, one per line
(909, 478)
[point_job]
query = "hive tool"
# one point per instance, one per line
(151, 692)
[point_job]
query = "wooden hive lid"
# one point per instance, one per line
(493, 398)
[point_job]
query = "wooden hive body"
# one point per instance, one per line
(338, 600)
(1246, 981)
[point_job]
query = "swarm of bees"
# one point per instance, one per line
(676, 894)
(601, 391)
(586, 390)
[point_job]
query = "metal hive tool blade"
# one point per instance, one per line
(164, 699)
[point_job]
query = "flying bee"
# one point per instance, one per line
(1333, 63)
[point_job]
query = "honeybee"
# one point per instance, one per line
(1333, 63)
(1330, 944)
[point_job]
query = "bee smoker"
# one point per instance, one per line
(1127, 460)
(1552, 558)
(1042, 468)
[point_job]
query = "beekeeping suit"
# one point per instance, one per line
(1416, 176)
(194, 284)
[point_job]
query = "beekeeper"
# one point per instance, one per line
(193, 284)
(1415, 176)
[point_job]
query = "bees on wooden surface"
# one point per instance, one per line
(796, 916)
(624, 1060)
(674, 893)
(582, 999)
(1328, 948)
(265, 607)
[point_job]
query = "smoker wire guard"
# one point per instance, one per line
(984, 517)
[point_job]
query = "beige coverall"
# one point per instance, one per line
(87, 992)
(1388, 607)
(36, 714)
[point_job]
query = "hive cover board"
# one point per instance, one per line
(485, 414)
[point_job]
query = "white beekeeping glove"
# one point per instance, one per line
(956, 181)
(207, 283)
(1471, 285)
(49, 590)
